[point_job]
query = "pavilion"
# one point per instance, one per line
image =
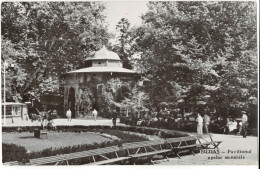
(81, 87)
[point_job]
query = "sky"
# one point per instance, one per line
(132, 10)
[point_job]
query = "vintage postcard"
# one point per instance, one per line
(129, 83)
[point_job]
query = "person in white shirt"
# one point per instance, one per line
(233, 125)
(68, 114)
(206, 121)
(94, 113)
(244, 124)
(200, 124)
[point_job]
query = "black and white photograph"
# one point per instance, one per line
(162, 83)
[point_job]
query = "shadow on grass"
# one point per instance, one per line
(27, 137)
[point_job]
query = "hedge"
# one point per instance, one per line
(12, 152)
(125, 138)
(189, 126)
(145, 130)
(183, 126)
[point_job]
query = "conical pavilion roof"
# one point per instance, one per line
(104, 54)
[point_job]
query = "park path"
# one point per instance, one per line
(232, 145)
(73, 122)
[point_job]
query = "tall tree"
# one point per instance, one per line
(46, 39)
(123, 47)
(203, 48)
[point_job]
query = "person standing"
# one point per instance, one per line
(114, 118)
(200, 124)
(206, 121)
(94, 113)
(244, 124)
(68, 114)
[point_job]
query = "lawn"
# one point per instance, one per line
(55, 139)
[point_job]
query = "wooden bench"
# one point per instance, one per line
(109, 161)
(205, 140)
(43, 133)
(102, 151)
(90, 153)
(182, 144)
(12, 163)
(148, 147)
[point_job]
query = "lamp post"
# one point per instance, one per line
(5, 67)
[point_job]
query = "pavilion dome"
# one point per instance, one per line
(103, 54)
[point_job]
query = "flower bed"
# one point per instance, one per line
(124, 137)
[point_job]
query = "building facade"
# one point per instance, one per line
(82, 87)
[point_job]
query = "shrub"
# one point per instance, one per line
(182, 125)
(34, 117)
(12, 152)
(152, 131)
(52, 116)
(126, 120)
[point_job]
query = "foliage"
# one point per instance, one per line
(120, 94)
(137, 100)
(12, 152)
(152, 131)
(194, 54)
(200, 54)
(45, 39)
(123, 45)
(86, 98)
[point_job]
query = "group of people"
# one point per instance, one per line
(204, 122)
(94, 114)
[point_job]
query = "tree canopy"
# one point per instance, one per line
(194, 54)
(200, 54)
(45, 39)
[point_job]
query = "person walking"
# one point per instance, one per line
(68, 114)
(94, 113)
(200, 124)
(244, 124)
(206, 122)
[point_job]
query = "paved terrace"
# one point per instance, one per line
(232, 145)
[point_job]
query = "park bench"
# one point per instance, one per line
(40, 133)
(106, 160)
(205, 140)
(12, 163)
(149, 149)
(182, 144)
(90, 153)
(43, 133)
